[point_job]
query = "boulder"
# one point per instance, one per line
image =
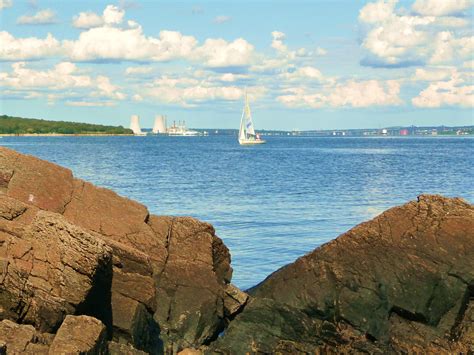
(400, 282)
(191, 283)
(22, 339)
(80, 335)
(48, 266)
(171, 273)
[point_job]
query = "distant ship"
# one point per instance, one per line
(180, 130)
(247, 133)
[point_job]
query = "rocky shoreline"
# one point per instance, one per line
(86, 271)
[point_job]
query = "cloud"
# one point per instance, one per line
(394, 38)
(303, 73)
(222, 19)
(321, 51)
(87, 20)
(218, 53)
(91, 103)
(441, 8)
(5, 3)
(346, 94)
(138, 70)
(63, 76)
(43, 17)
(112, 15)
(110, 43)
(278, 41)
(191, 89)
(15, 49)
(454, 92)
(432, 74)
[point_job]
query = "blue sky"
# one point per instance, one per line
(305, 64)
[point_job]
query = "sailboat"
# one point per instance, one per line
(247, 133)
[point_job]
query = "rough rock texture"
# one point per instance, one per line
(158, 283)
(80, 335)
(47, 266)
(403, 281)
(23, 339)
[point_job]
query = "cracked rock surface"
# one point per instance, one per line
(68, 247)
(84, 270)
(401, 282)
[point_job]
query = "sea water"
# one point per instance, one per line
(270, 203)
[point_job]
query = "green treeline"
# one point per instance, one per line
(18, 125)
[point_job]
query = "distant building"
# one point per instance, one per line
(404, 132)
(135, 125)
(160, 125)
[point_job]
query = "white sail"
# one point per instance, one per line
(247, 133)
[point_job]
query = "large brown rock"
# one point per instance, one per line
(80, 335)
(169, 275)
(23, 339)
(400, 282)
(48, 266)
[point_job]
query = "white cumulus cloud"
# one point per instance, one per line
(441, 7)
(43, 17)
(453, 92)
(222, 19)
(345, 94)
(112, 15)
(220, 53)
(27, 48)
(436, 35)
(5, 3)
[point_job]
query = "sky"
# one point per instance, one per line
(304, 64)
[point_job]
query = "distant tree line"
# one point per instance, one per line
(18, 125)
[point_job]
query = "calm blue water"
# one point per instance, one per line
(271, 203)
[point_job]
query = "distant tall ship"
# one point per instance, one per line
(247, 133)
(180, 130)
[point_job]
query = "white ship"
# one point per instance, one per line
(180, 130)
(247, 133)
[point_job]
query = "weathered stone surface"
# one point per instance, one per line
(80, 335)
(123, 349)
(174, 270)
(190, 286)
(34, 181)
(403, 281)
(48, 267)
(234, 300)
(22, 339)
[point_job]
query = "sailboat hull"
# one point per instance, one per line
(251, 141)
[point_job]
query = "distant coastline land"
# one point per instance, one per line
(34, 127)
(19, 126)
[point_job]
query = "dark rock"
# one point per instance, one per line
(80, 335)
(123, 349)
(403, 281)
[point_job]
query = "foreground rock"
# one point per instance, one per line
(80, 335)
(68, 247)
(84, 270)
(402, 282)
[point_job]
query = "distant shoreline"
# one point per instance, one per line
(63, 134)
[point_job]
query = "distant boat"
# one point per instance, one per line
(181, 130)
(247, 133)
